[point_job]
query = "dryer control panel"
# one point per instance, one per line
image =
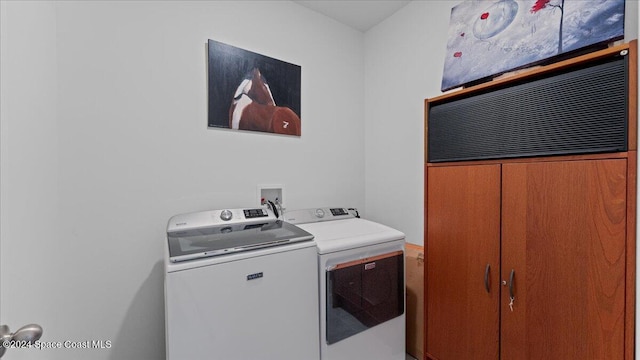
(317, 214)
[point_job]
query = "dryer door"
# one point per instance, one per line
(364, 293)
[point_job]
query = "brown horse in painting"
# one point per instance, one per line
(253, 108)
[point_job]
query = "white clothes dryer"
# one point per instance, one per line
(362, 284)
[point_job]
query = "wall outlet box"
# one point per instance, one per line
(274, 193)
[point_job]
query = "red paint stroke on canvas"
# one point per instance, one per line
(484, 16)
(539, 5)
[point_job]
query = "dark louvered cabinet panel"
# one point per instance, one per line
(582, 110)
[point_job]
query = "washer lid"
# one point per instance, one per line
(338, 235)
(213, 241)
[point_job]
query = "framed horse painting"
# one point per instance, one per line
(490, 37)
(249, 91)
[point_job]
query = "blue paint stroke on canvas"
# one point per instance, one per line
(489, 37)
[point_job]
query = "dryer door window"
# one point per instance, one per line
(364, 293)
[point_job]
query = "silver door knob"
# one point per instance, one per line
(26, 334)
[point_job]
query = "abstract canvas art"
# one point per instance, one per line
(490, 37)
(250, 91)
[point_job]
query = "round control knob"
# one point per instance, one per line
(226, 215)
(320, 213)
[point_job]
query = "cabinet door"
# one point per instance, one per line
(563, 235)
(463, 237)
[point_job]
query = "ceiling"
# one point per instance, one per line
(358, 14)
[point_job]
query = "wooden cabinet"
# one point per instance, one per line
(463, 222)
(532, 258)
(564, 235)
(560, 227)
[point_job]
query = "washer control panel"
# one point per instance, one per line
(219, 218)
(316, 215)
(255, 213)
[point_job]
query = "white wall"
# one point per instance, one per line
(29, 166)
(403, 66)
(104, 137)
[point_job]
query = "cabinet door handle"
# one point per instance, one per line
(487, 270)
(511, 280)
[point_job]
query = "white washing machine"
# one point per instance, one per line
(240, 285)
(362, 285)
